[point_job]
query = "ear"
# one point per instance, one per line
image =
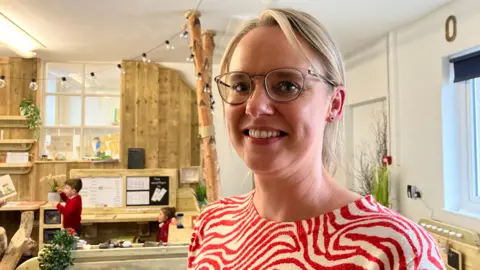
(336, 104)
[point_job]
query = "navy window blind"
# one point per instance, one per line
(466, 67)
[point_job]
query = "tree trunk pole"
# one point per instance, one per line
(203, 55)
(20, 238)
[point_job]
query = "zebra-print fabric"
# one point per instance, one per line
(230, 234)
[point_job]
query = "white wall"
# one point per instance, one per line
(367, 86)
(416, 84)
(234, 176)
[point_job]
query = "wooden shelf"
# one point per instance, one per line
(13, 121)
(22, 145)
(15, 168)
(22, 206)
(52, 226)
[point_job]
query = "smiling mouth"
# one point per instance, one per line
(264, 134)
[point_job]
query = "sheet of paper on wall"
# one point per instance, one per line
(7, 189)
(138, 197)
(138, 183)
(102, 192)
(17, 157)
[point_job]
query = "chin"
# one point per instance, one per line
(263, 164)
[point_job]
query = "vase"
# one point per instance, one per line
(53, 197)
(22, 111)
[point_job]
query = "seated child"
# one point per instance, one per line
(72, 211)
(165, 218)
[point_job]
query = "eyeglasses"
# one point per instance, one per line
(281, 85)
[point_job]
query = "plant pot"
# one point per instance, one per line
(53, 197)
(22, 112)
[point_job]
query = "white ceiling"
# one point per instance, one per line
(111, 30)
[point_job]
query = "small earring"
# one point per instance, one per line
(332, 118)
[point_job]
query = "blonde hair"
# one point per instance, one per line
(295, 23)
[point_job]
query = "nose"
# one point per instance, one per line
(259, 103)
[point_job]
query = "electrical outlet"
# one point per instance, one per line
(413, 192)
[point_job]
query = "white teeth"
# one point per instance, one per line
(263, 134)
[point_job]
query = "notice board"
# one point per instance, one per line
(147, 190)
(102, 192)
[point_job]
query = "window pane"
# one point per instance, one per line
(102, 111)
(101, 141)
(63, 110)
(476, 108)
(74, 74)
(105, 81)
(61, 143)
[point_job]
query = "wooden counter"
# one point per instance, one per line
(171, 257)
(22, 206)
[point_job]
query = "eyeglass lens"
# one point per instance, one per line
(281, 85)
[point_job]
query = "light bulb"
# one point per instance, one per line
(120, 68)
(168, 45)
(33, 85)
(3, 83)
(64, 83)
(144, 57)
(184, 34)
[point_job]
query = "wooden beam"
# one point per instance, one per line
(19, 240)
(203, 55)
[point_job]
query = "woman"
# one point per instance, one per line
(282, 81)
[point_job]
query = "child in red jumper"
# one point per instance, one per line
(165, 218)
(72, 210)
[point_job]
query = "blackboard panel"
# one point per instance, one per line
(159, 189)
(157, 194)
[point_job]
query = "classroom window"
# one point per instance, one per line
(81, 114)
(461, 135)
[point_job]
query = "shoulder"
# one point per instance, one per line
(381, 228)
(223, 213)
(223, 209)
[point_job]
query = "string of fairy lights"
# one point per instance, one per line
(168, 44)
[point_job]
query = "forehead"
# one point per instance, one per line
(266, 48)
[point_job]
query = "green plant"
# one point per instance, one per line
(53, 186)
(372, 173)
(201, 194)
(381, 186)
(58, 254)
(32, 113)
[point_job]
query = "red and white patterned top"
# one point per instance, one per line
(229, 234)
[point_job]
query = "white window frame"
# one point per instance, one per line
(469, 202)
(83, 94)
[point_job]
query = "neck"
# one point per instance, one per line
(73, 195)
(298, 195)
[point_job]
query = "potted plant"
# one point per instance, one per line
(53, 182)
(372, 174)
(32, 113)
(58, 254)
(201, 194)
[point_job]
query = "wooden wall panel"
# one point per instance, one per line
(157, 115)
(19, 73)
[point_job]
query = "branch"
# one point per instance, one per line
(19, 240)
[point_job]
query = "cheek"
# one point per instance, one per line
(232, 119)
